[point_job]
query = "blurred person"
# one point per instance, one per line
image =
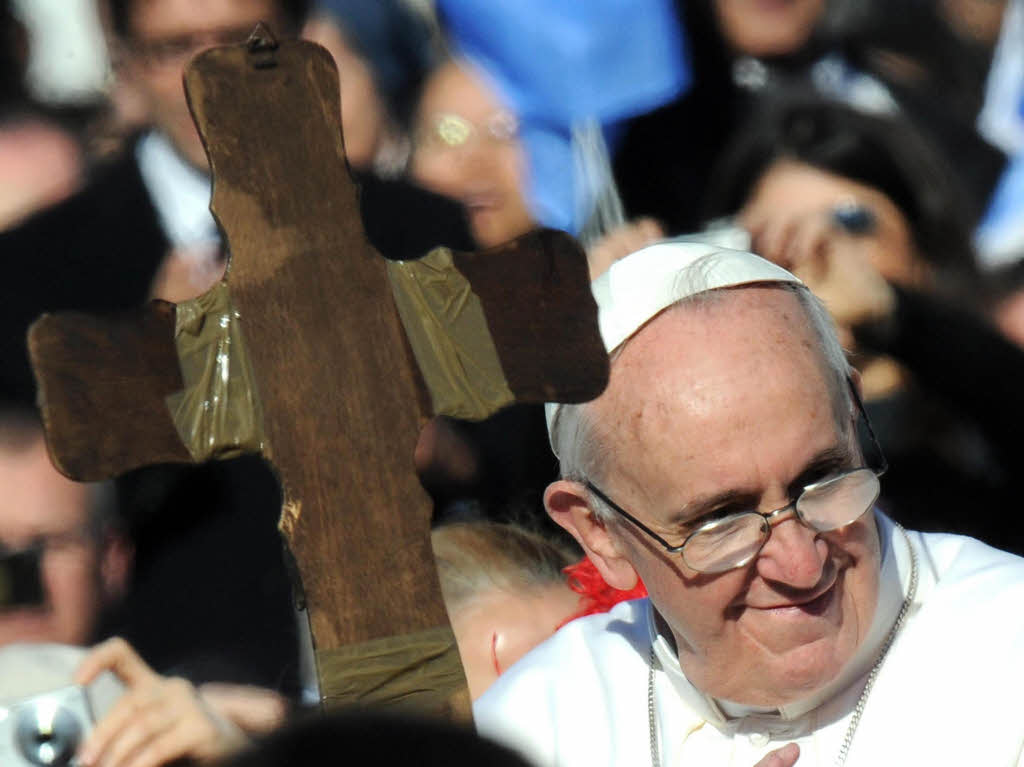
(808, 169)
(507, 589)
(154, 40)
(467, 148)
(41, 161)
(935, 77)
(85, 564)
(878, 57)
(139, 228)
(976, 20)
(101, 251)
(85, 556)
(505, 593)
(763, 29)
(866, 213)
(570, 83)
(383, 50)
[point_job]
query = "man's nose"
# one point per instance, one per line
(474, 156)
(793, 556)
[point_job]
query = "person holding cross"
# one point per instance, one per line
(789, 619)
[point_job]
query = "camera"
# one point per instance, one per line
(44, 717)
(21, 584)
(46, 729)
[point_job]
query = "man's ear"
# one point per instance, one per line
(117, 558)
(568, 505)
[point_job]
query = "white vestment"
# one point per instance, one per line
(949, 692)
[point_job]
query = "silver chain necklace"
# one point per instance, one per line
(858, 710)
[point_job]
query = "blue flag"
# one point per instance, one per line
(558, 63)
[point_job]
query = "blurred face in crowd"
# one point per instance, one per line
(765, 28)
(363, 116)
(498, 627)
(795, 213)
(713, 410)
(466, 148)
(977, 20)
(80, 574)
(163, 35)
(1009, 317)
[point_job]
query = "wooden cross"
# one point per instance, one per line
(303, 334)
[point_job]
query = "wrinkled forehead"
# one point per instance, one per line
(728, 328)
(716, 355)
(640, 287)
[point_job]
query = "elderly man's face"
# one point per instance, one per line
(730, 401)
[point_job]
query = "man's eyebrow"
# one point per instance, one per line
(702, 505)
(833, 457)
(837, 456)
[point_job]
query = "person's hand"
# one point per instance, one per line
(840, 274)
(620, 242)
(837, 262)
(781, 757)
(156, 721)
(255, 709)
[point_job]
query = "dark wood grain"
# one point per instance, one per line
(103, 384)
(343, 402)
(536, 296)
(340, 394)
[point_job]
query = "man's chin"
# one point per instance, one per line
(189, 147)
(794, 671)
(798, 682)
(26, 626)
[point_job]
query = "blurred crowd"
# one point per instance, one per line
(876, 149)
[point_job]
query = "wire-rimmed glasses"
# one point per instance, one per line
(735, 540)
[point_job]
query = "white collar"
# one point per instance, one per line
(180, 193)
(893, 583)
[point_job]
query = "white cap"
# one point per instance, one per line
(643, 284)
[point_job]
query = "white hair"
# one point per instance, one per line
(576, 437)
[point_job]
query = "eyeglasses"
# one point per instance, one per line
(453, 131)
(735, 540)
(176, 50)
(56, 542)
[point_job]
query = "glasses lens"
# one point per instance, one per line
(503, 126)
(839, 501)
(725, 544)
(453, 130)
